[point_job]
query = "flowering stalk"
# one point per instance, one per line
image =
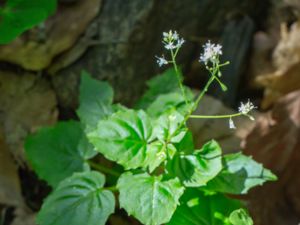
(244, 110)
(173, 55)
(211, 58)
(172, 41)
(215, 116)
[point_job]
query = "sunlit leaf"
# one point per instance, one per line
(197, 208)
(148, 198)
(240, 174)
(196, 169)
(240, 217)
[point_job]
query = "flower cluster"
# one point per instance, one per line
(246, 108)
(211, 53)
(171, 40)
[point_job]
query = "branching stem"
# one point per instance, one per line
(215, 116)
(112, 188)
(103, 169)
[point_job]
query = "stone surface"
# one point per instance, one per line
(36, 49)
(260, 60)
(236, 40)
(10, 189)
(27, 102)
(275, 142)
(24, 216)
(125, 56)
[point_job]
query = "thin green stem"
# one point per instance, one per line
(215, 116)
(224, 64)
(103, 169)
(204, 90)
(112, 188)
(176, 52)
(195, 105)
(178, 75)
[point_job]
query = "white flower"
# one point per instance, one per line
(246, 108)
(170, 46)
(231, 124)
(211, 53)
(180, 42)
(170, 36)
(171, 40)
(161, 61)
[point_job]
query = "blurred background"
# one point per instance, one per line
(117, 40)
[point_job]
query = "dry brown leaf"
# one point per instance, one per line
(36, 49)
(275, 142)
(286, 59)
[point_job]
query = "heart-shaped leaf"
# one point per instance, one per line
(148, 198)
(57, 152)
(80, 199)
(240, 174)
(124, 137)
(196, 169)
(95, 100)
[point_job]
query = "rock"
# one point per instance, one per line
(236, 40)
(295, 4)
(24, 216)
(10, 189)
(36, 49)
(275, 142)
(126, 56)
(260, 60)
(27, 102)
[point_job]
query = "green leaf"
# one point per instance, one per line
(240, 174)
(186, 144)
(95, 100)
(197, 208)
(80, 199)
(57, 152)
(18, 16)
(148, 198)
(166, 103)
(170, 127)
(161, 84)
(156, 154)
(196, 169)
(240, 217)
(124, 138)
